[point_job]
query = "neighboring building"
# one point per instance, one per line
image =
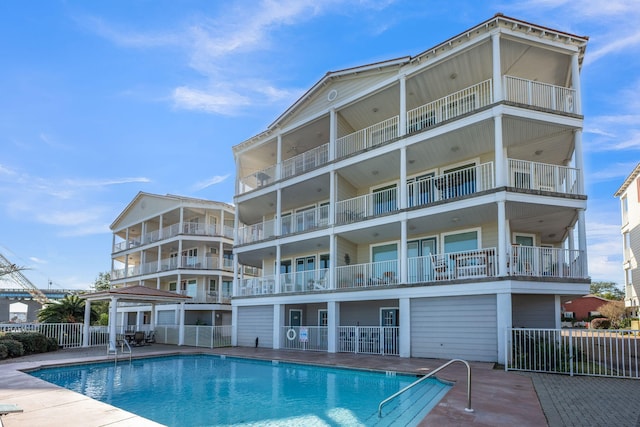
(177, 244)
(583, 308)
(629, 194)
(419, 206)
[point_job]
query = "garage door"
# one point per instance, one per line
(255, 322)
(462, 327)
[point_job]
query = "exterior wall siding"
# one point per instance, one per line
(255, 322)
(363, 313)
(455, 327)
(533, 311)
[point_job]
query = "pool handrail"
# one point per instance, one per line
(430, 374)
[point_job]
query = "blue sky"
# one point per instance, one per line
(101, 100)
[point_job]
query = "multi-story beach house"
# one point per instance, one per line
(178, 244)
(629, 194)
(419, 206)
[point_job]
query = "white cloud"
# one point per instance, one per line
(224, 103)
(209, 182)
(37, 260)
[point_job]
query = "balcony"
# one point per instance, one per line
(465, 101)
(544, 177)
(540, 262)
(367, 206)
(309, 219)
(187, 228)
(169, 264)
(256, 232)
(537, 94)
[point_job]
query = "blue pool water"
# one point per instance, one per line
(205, 390)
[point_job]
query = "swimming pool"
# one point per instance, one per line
(203, 390)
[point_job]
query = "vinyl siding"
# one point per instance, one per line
(533, 311)
(255, 322)
(455, 327)
(363, 313)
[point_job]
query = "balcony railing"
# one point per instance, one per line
(309, 219)
(450, 185)
(450, 106)
(368, 137)
(303, 281)
(256, 232)
(452, 265)
(258, 179)
(545, 262)
(188, 228)
(306, 161)
(537, 94)
(545, 177)
(375, 274)
(264, 285)
(367, 206)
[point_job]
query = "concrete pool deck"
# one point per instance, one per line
(499, 398)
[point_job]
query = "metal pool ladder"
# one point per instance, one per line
(123, 343)
(430, 374)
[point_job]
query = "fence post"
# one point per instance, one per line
(571, 357)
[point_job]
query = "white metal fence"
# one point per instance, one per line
(313, 338)
(68, 335)
(607, 353)
(368, 339)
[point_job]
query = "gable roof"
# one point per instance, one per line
(627, 182)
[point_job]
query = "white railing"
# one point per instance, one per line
(207, 336)
(68, 335)
(257, 286)
(450, 106)
(548, 262)
(368, 339)
(375, 274)
(450, 185)
(256, 232)
(367, 206)
(368, 137)
(545, 177)
(309, 219)
(607, 353)
(258, 179)
(314, 338)
(303, 281)
(452, 265)
(537, 94)
(306, 161)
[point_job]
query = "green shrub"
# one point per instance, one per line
(4, 351)
(601, 323)
(33, 342)
(52, 344)
(15, 348)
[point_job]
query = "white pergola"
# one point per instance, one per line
(137, 294)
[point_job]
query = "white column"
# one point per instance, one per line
(402, 267)
(505, 322)
(558, 312)
(575, 82)
(332, 134)
(181, 324)
(403, 106)
(278, 225)
(582, 243)
(497, 72)
(332, 197)
(503, 240)
(578, 159)
(139, 318)
(279, 159)
(333, 261)
(499, 152)
(278, 316)
(234, 325)
(333, 321)
(404, 306)
(86, 336)
(277, 275)
(161, 229)
(113, 320)
(403, 179)
(152, 319)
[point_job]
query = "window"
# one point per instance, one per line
(212, 286)
(384, 199)
(227, 286)
(420, 190)
(625, 209)
(467, 241)
(173, 286)
(457, 182)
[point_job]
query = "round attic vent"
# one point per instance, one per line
(333, 94)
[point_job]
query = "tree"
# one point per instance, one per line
(607, 290)
(614, 311)
(102, 283)
(70, 309)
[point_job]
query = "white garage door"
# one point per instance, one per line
(462, 327)
(255, 322)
